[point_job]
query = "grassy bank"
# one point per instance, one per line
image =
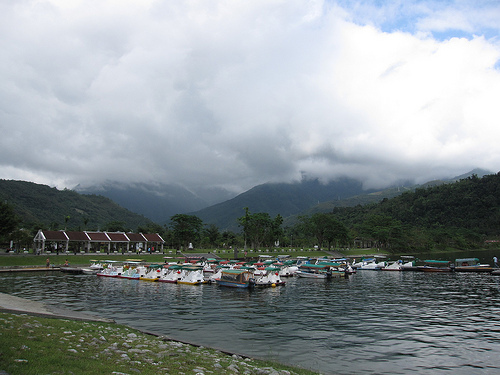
(38, 345)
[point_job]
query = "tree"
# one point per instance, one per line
(212, 233)
(186, 228)
(8, 219)
(259, 227)
(323, 227)
(116, 226)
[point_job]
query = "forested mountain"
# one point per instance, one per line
(278, 198)
(472, 203)
(43, 206)
(461, 214)
(157, 202)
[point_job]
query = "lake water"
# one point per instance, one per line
(370, 323)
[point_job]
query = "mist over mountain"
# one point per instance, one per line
(279, 198)
(157, 201)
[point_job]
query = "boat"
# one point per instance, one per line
(436, 266)
(217, 273)
(395, 266)
(151, 272)
(288, 269)
(372, 265)
(471, 265)
(111, 268)
(271, 277)
(95, 267)
(132, 269)
(409, 263)
(171, 274)
(314, 271)
(191, 275)
(236, 278)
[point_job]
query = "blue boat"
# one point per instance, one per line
(236, 278)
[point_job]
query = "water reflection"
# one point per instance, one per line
(372, 322)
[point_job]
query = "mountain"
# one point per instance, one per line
(377, 196)
(278, 198)
(40, 205)
(157, 202)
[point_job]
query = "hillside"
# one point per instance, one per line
(157, 202)
(378, 196)
(39, 205)
(278, 198)
(472, 203)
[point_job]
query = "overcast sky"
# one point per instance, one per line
(237, 93)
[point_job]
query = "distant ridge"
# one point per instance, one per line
(278, 198)
(41, 205)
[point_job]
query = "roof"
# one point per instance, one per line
(135, 237)
(61, 235)
(98, 236)
(118, 237)
(153, 237)
(52, 235)
(78, 236)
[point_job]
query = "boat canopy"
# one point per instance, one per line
(437, 261)
(315, 266)
(467, 262)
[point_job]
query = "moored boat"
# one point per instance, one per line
(132, 269)
(315, 271)
(151, 272)
(395, 266)
(471, 265)
(236, 278)
(436, 266)
(171, 274)
(111, 268)
(191, 275)
(271, 277)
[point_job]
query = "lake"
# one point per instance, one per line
(369, 323)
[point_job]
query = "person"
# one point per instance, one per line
(495, 261)
(47, 263)
(66, 264)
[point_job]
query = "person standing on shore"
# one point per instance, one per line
(47, 263)
(495, 261)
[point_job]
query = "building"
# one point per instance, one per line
(69, 241)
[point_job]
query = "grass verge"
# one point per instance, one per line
(32, 345)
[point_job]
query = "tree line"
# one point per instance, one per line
(460, 215)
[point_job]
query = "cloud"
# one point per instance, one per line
(233, 94)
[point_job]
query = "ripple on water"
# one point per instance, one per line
(371, 322)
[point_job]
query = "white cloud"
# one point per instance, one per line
(238, 93)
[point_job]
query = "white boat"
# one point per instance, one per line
(271, 277)
(191, 275)
(133, 270)
(111, 268)
(288, 269)
(171, 274)
(314, 271)
(151, 272)
(217, 274)
(370, 264)
(395, 266)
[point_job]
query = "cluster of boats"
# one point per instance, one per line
(232, 273)
(410, 264)
(269, 272)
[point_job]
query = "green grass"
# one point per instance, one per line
(32, 345)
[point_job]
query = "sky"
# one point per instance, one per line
(234, 93)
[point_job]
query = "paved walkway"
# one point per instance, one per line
(21, 305)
